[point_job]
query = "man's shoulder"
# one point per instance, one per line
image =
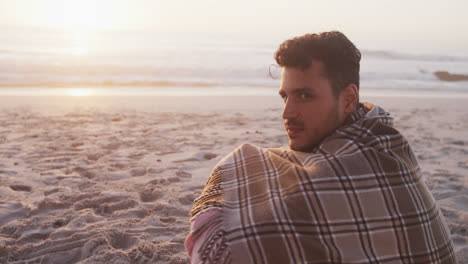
(248, 150)
(250, 153)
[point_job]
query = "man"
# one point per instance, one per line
(347, 190)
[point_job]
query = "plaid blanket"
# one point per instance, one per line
(358, 197)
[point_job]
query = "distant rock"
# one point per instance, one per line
(448, 77)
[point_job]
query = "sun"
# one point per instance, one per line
(79, 20)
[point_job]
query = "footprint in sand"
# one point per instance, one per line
(459, 229)
(455, 186)
(8, 172)
(459, 240)
(151, 194)
(443, 194)
(21, 188)
(200, 156)
(187, 199)
(119, 240)
(109, 208)
(94, 156)
(83, 172)
(60, 222)
(83, 219)
(34, 237)
(183, 174)
(10, 212)
(461, 203)
(463, 164)
(135, 172)
(169, 210)
(173, 179)
(119, 166)
(167, 220)
(112, 146)
(157, 181)
(132, 213)
(455, 178)
(137, 155)
(91, 201)
(462, 255)
(51, 204)
(456, 142)
(156, 170)
(431, 156)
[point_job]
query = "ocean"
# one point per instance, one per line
(48, 62)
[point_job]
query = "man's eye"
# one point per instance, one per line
(304, 96)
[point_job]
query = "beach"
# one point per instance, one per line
(88, 179)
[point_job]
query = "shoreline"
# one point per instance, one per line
(214, 91)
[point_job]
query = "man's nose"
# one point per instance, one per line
(290, 110)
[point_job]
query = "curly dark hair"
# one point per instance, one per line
(338, 54)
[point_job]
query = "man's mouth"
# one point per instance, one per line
(293, 131)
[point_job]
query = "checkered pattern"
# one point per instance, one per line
(356, 198)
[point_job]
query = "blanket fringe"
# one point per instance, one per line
(211, 196)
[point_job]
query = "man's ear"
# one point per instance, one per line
(349, 98)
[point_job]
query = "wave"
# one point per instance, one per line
(393, 55)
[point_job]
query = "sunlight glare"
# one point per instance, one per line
(78, 50)
(79, 42)
(80, 92)
(79, 15)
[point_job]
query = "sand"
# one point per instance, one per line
(94, 180)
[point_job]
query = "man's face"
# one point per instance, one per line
(311, 112)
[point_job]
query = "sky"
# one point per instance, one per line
(415, 25)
